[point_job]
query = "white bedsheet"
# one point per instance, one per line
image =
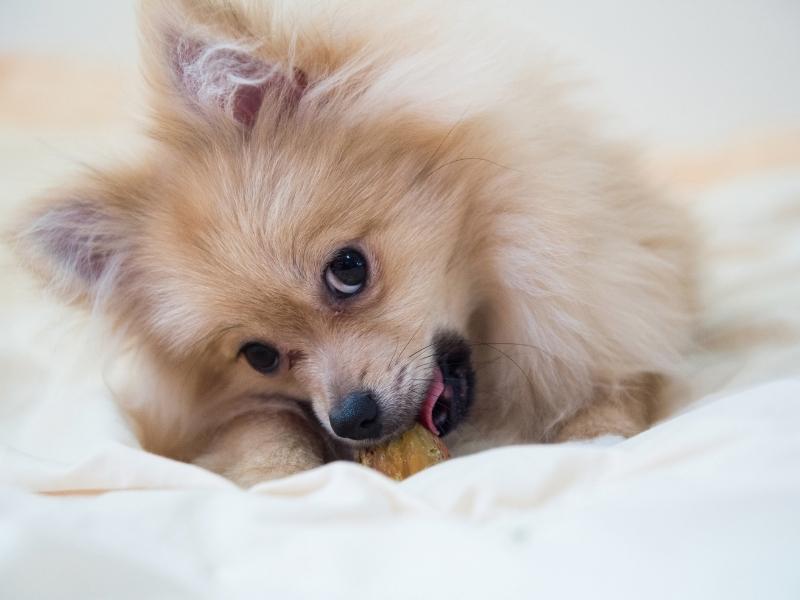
(704, 505)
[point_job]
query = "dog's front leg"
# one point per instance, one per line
(623, 409)
(264, 445)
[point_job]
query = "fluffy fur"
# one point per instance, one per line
(484, 201)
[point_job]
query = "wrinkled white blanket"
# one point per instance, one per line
(703, 506)
(706, 504)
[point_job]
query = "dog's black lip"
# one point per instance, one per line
(453, 358)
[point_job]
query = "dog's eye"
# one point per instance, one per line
(261, 357)
(347, 273)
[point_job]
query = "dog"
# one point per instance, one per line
(354, 216)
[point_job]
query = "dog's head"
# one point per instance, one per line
(295, 229)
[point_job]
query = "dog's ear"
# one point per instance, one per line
(205, 62)
(80, 241)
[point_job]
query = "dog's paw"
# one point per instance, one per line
(264, 446)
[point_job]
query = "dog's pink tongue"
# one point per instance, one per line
(434, 391)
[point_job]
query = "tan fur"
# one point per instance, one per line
(272, 442)
(622, 409)
(484, 202)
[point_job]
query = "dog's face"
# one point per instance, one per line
(277, 242)
(323, 266)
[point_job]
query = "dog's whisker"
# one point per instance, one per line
(516, 364)
(413, 335)
(517, 344)
(466, 158)
(424, 172)
(431, 362)
(394, 352)
(420, 350)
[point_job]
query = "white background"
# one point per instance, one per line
(672, 72)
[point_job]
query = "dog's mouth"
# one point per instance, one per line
(449, 394)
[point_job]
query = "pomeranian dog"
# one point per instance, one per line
(357, 215)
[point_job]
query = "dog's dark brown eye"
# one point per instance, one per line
(346, 274)
(264, 359)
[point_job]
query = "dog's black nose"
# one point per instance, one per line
(357, 417)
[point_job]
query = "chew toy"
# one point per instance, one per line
(410, 453)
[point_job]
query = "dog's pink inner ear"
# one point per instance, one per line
(78, 238)
(226, 77)
(247, 103)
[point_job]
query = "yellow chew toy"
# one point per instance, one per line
(413, 451)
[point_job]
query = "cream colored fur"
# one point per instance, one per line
(440, 142)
